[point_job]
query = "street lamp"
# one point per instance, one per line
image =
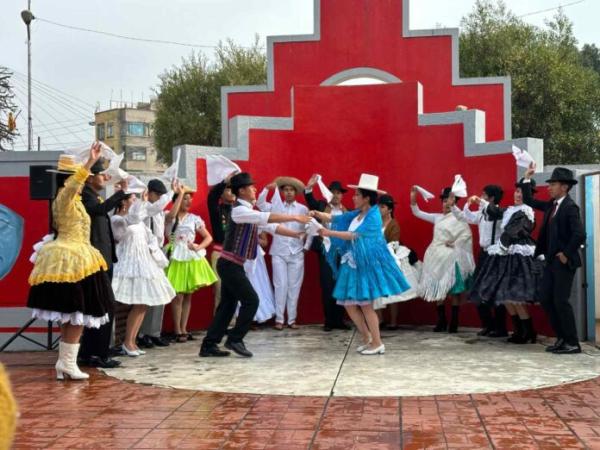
(28, 17)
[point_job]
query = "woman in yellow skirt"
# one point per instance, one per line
(69, 284)
(188, 268)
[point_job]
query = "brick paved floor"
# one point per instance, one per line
(108, 413)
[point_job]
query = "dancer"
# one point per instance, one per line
(157, 200)
(139, 279)
(561, 236)
(448, 263)
(361, 262)
(488, 222)
(188, 268)
(333, 313)
(287, 254)
(258, 275)
(509, 275)
(239, 246)
(69, 281)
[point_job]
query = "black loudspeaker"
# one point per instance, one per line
(42, 184)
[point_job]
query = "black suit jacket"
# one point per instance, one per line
(101, 235)
(564, 233)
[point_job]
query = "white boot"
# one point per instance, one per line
(67, 362)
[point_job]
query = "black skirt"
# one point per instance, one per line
(507, 278)
(91, 296)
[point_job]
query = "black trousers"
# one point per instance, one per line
(334, 313)
(235, 288)
(96, 341)
(555, 291)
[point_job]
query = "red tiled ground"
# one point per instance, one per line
(107, 413)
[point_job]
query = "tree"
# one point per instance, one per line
(590, 57)
(555, 96)
(189, 96)
(7, 110)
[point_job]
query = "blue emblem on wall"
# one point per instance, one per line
(11, 239)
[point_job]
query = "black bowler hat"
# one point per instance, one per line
(337, 186)
(157, 186)
(98, 167)
(240, 180)
(562, 175)
(531, 183)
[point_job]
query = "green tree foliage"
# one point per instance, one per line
(7, 109)
(189, 96)
(555, 87)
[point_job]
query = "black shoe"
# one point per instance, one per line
(159, 341)
(103, 363)
(212, 350)
(116, 351)
(498, 333)
(517, 335)
(484, 332)
(342, 326)
(239, 348)
(567, 349)
(557, 344)
(145, 342)
(392, 327)
(190, 337)
(327, 328)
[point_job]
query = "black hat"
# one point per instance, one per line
(157, 186)
(240, 180)
(532, 183)
(446, 193)
(386, 200)
(562, 175)
(337, 186)
(98, 167)
(493, 190)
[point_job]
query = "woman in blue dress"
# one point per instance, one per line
(363, 266)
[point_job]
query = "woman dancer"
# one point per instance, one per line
(188, 268)
(510, 274)
(138, 277)
(361, 262)
(69, 283)
(448, 261)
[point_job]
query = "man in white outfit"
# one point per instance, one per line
(287, 253)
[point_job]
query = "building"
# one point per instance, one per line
(129, 129)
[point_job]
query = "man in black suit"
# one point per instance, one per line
(334, 314)
(561, 236)
(95, 343)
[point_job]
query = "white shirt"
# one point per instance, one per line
(428, 217)
(245, 213)
(283, 245)
(156, 217)
(479, 218)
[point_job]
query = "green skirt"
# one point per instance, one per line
(187, 277)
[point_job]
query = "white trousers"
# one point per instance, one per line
(288, 273)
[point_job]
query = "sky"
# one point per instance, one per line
(89, 70)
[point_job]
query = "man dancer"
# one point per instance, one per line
(287, 253)
(95, 342)
(560, 239)
(334, 313)
(240, 245)
(158, 199)
(488, 221)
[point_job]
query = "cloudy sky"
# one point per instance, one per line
(93, 68)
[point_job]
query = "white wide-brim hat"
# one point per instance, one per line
(368, 183)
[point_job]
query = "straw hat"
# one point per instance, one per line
(290, 181)
(66, 165)
(368, 183)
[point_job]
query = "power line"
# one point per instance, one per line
(533, 13)
(121, 36)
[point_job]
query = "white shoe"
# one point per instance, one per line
(128, 352)
(363, 347)
(67, 362)
(140, 351)
(376, 351)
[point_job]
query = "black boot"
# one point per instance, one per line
(442, 325)
(453, 328)
(517, 330)
(499, 322)
(528, 333)
(485, 316)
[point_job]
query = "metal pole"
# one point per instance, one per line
(29, 120)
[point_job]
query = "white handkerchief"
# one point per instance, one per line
(106, 151)
(115, 173)
(172, 171)
(459, 188)
(312, 229)
(522, 157)
(218, 167)
(325, 192)
(135, 185)
(38, 246)
(424, 193)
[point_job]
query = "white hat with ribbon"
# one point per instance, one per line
(368, 183)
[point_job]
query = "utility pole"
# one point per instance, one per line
(28, 17)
